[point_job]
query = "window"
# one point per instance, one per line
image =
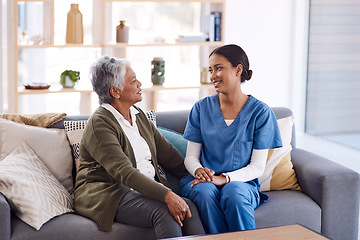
(333, 85)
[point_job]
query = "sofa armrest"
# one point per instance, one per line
(335, 188)
(5, 218)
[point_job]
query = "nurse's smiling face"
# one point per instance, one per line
(223, 75)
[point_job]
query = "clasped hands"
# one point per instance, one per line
(207, 175)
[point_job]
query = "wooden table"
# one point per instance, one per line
(293, 232)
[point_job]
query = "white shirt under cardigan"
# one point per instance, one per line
(253, 170)
(139, 145)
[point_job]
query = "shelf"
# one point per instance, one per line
(85, 94)
(101, 39)
(53, 89)
(59, 89)
(203, 1)
(60, 46)
(123, 45)
(34, 0)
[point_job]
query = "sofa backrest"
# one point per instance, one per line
(282, 112)
(60, 124)
(176, 120)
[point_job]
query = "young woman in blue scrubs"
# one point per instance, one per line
(228, 135)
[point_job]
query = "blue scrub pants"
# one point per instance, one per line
(225, 208)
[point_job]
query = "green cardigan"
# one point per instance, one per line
(108, 167)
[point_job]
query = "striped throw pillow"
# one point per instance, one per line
(34, 194)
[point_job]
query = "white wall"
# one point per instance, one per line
(273, 33)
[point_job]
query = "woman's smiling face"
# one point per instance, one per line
(223, 75)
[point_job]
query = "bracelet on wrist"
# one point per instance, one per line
(226, 177)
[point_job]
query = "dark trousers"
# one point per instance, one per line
(137, 210)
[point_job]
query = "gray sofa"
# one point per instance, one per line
(329, 203)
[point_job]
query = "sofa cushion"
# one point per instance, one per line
(34, 194)
(288, 207)
(51, 145)
(176, 139)
(279, 173)
(73, 226)
(180, 143)
(74, 131)
(151, 115)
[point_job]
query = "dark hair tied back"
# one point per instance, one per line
(235, 55)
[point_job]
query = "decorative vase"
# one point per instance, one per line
(204, 76)
(122, 32)
(158, 71)
(68, 83)
(74, 26)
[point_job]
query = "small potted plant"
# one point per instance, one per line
(69, 78)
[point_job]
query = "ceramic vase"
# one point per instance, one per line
(122, 33)
(74, 26)
(204, 76)
(68, 83)
(158, 71)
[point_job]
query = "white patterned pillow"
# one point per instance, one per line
(51, 145)
(151, 115)
(35, 195)
(75, 130)
(279, 173)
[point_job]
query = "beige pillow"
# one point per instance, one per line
(51, 145)
(39, 120)
(35, 195)
(279, 173)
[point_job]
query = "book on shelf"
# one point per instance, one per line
(211, 26)
(217, 25)
(192, 37)
(207, 27)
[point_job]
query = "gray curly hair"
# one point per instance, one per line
(105, 73)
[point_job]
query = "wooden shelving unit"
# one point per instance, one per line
(85, 94)
(16, 90)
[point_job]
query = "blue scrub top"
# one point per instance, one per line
(228, 148)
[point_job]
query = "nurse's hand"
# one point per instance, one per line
(217, 180)
(204, 174)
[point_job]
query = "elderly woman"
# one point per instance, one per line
(122, 154)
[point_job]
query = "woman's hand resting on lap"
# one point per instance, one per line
(177, 207)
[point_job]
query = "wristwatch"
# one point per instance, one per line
(226, 176)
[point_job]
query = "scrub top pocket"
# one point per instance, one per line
(242, 153)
